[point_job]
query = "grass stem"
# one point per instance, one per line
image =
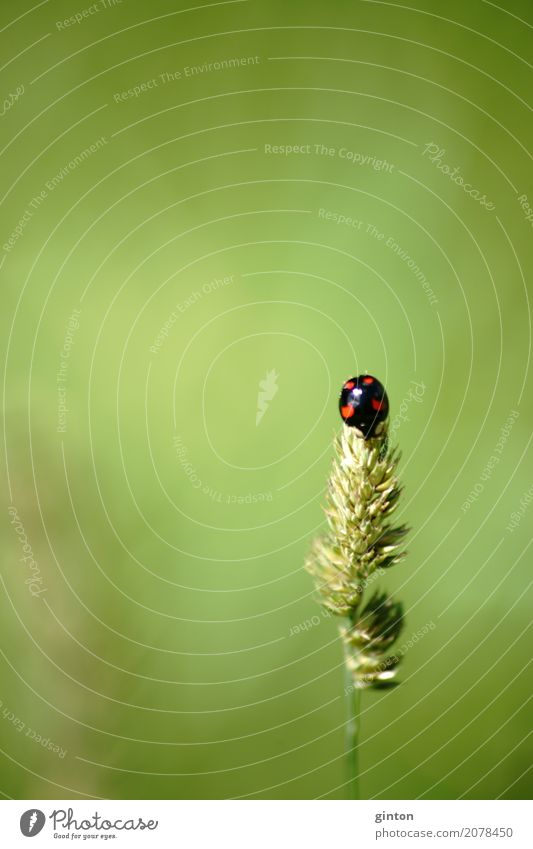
(353, 700)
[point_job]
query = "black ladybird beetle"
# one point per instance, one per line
(363, 404)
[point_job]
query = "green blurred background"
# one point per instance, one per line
(170, 645)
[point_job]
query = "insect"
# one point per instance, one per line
(363, 404)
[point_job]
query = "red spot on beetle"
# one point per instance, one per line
(349, 385)
(376, 405)
(368, 380)
(347, 411)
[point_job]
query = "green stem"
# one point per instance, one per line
(353, 698)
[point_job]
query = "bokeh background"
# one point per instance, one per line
(211, 215)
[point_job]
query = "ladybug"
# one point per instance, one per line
(363, 404)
